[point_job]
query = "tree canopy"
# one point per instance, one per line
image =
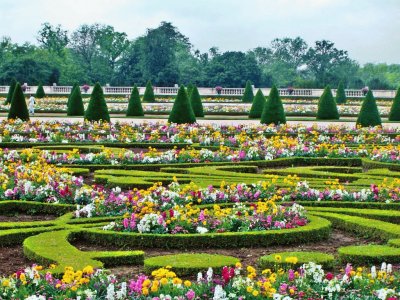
(99, 53)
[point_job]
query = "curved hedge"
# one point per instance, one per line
(316, 230)
(369, 254)
(324, 259)
(189, 264)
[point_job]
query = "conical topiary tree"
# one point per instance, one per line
(72, 90)
(135, 105)
(97, 109)
(18, 108)
(258, 105)
(195, 101)
(327, 108)
(340, 94)
(182, 111)
(369, 114)
(394, 114)
(11, 90)
(273, 111)
(248, 93)
(75, 103)
(149, 93)
(40, 91)
(189, 89)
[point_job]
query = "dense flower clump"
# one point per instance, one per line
(309, 281)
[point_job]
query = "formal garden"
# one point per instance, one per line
(107, 209)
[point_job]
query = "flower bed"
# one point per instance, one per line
(310, 281)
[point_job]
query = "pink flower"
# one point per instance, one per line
(190, 294)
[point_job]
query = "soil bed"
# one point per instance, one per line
(26, 218)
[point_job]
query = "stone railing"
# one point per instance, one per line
(204, 91)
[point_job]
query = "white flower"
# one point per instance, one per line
(201, 230)
(219, 293)
(209, 274)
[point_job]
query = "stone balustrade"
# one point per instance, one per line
(204, 91)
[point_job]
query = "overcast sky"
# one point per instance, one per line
(368, 29)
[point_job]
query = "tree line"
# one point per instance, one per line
(98, 53)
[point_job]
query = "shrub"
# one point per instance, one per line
(149, 93)
(40, 91)
(369, 114)
(248, 93)
(97, 109)
(75, 103)
(72, 90)
(189, 89)
(18, 108)
(135, 105)
(11, 91)
(340, 94)
(273, 111)
(189, 264)
(327, 109)
(258, 105)
(195, 101)
(394, 114)
(369, 254)
(269, 261)
(182, 111)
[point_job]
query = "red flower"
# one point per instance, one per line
(329, 276)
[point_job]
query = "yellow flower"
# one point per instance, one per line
(164, 281)
(278, 258)
(255, 293)
(145, 291)
(187, 283)
(88, 270)
(249, 289)
(6, 283)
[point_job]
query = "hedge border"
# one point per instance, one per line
(189, 263)
(316, 230)
(324, 259)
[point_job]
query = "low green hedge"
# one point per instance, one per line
(54, 247)
(189, 264)
(365, 227)
(350, 204)
(369, 254)
(391, 216)
(394, 242)
(12, 237)
(32, 208)
(318, 229)
(324, 259)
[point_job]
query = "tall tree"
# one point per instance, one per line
(53, 38)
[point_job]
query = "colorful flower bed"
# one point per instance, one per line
(309, 281)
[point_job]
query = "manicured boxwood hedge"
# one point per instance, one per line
(369, 254)
(189, 263)
(318, 229)
(324, 259)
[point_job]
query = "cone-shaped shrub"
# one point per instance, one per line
(340, 94)
(248, 93)
(11, 91)
(97, 109)
(135, 105)
(258, 105)
(394, 114)
(195, 101)
(273, 111)
(149, 93)
(182, 111)
(18, 108)
(75, 103)
(369, 114)
(327, 108)
(70, 94)
(189, 89)
(40, 91)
